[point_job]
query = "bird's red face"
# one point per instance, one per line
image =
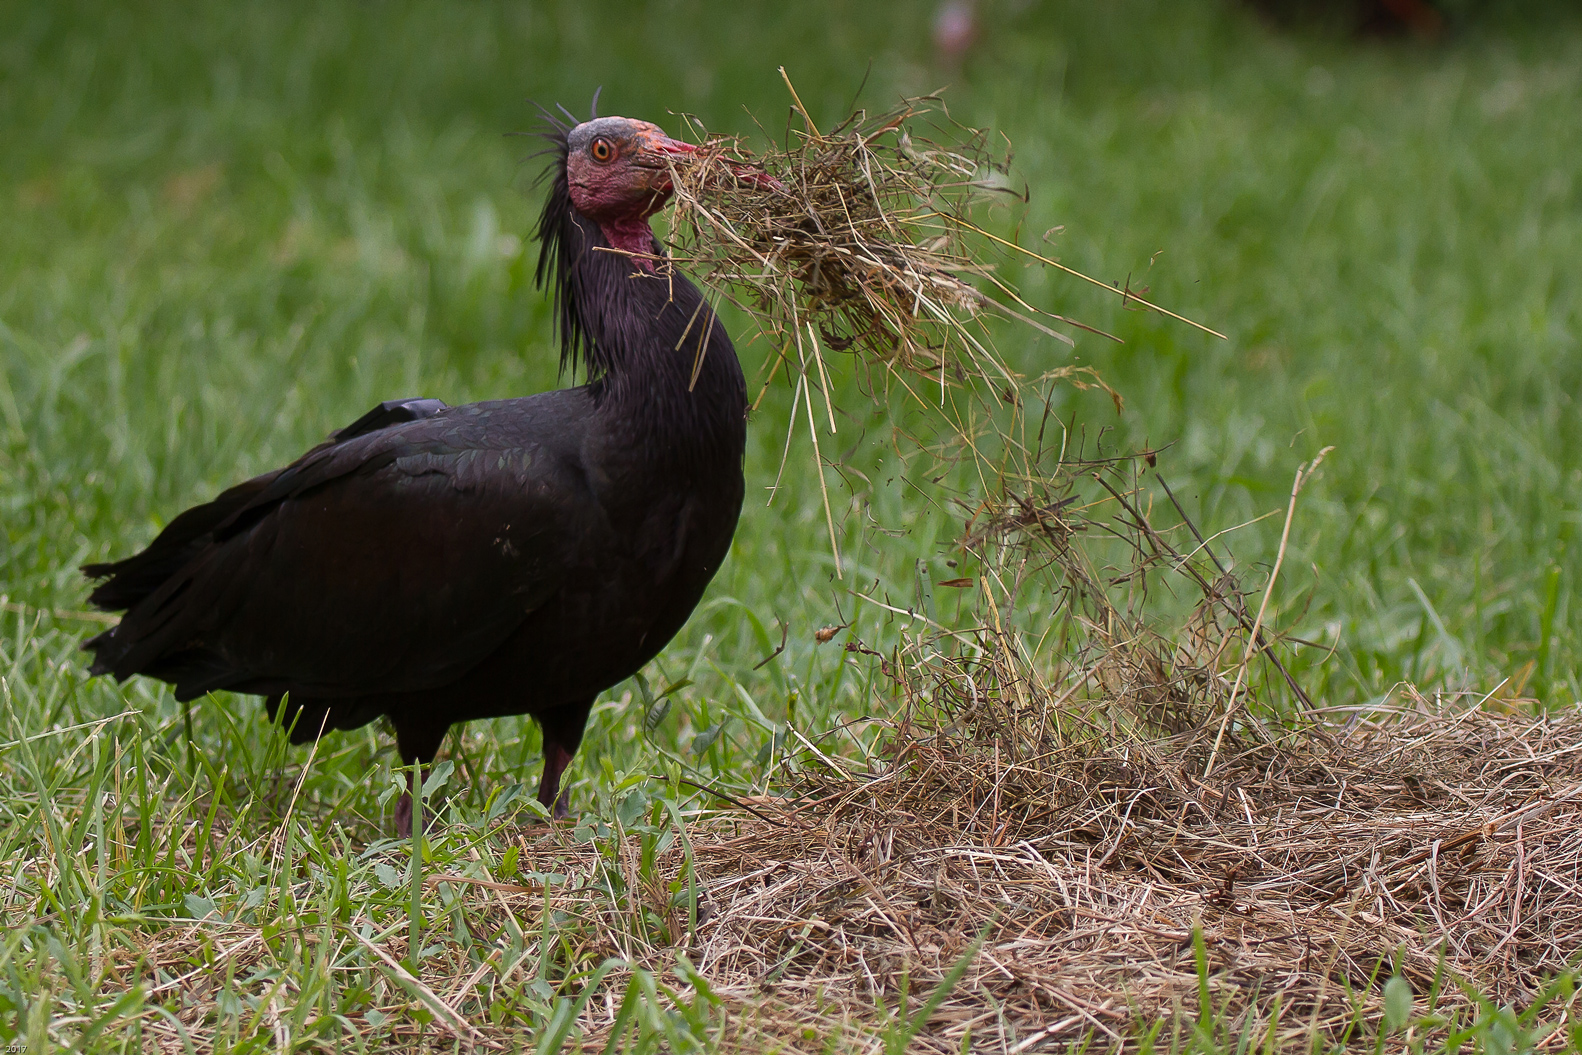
(617, 170)
(618, 175)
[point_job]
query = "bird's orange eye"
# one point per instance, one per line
(601, 150)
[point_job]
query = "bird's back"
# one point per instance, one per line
(389, 558)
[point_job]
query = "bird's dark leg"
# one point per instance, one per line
(562, 734)
(418, 741)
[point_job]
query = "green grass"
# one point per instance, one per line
(224, 233)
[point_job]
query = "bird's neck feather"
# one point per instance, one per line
(631, 235)
(646, 334)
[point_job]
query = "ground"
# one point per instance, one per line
(228, 232)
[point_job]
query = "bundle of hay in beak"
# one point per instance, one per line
(863, 238)
(867, 239)
(855, 239)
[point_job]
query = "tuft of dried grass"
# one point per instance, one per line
(867, 243)
(871, 240)
(1440, 844)
(859, 247)
(1138, 839)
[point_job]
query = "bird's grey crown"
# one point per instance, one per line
(610, 127)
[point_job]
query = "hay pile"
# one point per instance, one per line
(1439, 844)
(1090, 810)
(1429, 839)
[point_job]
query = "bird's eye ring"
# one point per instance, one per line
(601, 150)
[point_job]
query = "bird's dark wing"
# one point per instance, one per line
(134, 578)
(389, 561)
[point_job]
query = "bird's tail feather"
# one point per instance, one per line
(306, 718)
(128, 581)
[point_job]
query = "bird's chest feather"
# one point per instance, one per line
(639, 583)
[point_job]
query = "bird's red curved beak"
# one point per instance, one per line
(659, 143)
(656, 146)
(653, 148)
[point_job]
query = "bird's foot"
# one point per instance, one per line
(403, 810)
(403, 815)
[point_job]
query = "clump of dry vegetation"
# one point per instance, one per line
(1108, 773)
(860, 245)
(871, 242)
(1133, 859)
(1115, 891)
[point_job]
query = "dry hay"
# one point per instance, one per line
(1438, 841)
(1092, 810)
(1442, 844)
(871, 243)
(860, 244)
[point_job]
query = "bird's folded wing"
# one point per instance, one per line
(135, 577)
(391, 562)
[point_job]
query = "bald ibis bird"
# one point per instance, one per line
(431, 564)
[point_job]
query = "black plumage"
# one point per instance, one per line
(433, 564)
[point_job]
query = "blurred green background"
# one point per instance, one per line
(228, 229)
